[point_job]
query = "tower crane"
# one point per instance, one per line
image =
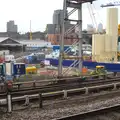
(111, 4)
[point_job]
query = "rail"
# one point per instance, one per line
(63, 82)
(60, 79)
(86, 90)
(38, 94)
(91, 113)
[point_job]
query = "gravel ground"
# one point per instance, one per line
(109, 116)
(54, 109)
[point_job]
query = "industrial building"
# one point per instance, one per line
(104, 47)
(53, 30)
(58, 17)
(11, 27)
(35, 44)
(7, 43)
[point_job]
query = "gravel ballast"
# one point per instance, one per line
(58, 108)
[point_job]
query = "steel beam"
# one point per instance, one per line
(80, 36)
(62, 40)
(75, 4)
(72, 5)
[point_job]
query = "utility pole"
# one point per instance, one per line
(30, 31)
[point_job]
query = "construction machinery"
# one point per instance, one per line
(99, 71)
(31, 70)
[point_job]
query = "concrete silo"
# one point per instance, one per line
(98, 46)
(112, 31)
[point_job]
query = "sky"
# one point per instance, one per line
(40, 13)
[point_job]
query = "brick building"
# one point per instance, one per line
(55, 39)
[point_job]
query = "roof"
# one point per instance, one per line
(32, 41)
(5, 38)
(83, 1)
(13, 45)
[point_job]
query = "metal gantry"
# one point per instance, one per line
(76, 5)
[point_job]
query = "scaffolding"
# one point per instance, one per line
(75, 5)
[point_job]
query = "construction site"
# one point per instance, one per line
(61, 82)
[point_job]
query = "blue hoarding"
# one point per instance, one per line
(2, 70)
(19, 69)
(112, 67)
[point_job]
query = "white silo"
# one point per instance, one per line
(112, 29)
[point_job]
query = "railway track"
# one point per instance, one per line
(89, 114)
(77, 80)
(65, 80)
(83, 115)
(92, 113)
(51, 115)
(77, 83)
(20, 95)
(60, 86)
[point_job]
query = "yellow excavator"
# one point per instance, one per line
(99, 71)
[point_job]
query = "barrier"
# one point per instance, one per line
(112, 67)
(84, 70)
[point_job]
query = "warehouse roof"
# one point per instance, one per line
(33, 41)
(2, 39)
(83, 1)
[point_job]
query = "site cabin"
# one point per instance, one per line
(9, 58)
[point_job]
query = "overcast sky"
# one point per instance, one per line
(40, 13)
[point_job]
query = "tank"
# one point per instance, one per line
(112, 27)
